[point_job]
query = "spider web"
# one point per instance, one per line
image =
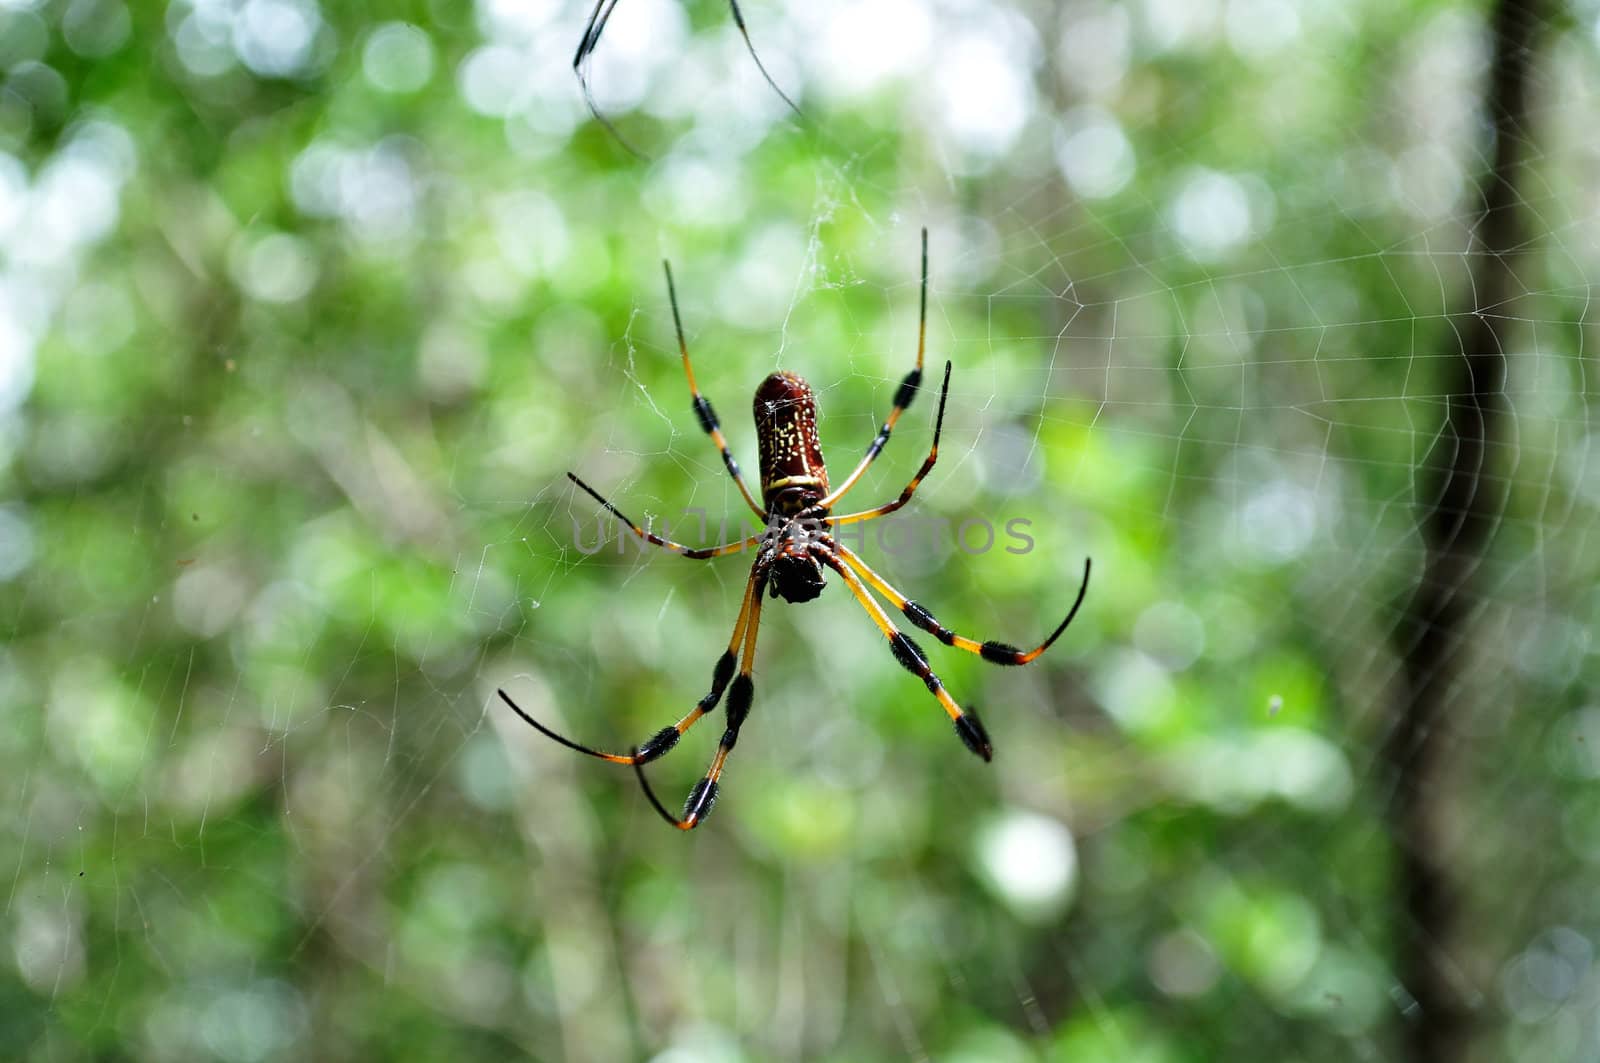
(1202, 271)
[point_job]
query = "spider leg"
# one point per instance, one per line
(903, 395)
(702, 405)
(704, 795)
(600, 15)
(664, 739)
(586, 46)
(697, 553)
(912, 659)
(996, 652)
(738, 20)
(591, 34)
(916, 481)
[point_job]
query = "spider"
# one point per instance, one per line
(591, 40)
(792, 555)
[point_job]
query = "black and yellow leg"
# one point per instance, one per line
(667, 737)
(916, 481)
(702, 406)
(912, 659)
(704, 795)
(698, 553)
(997, 652)
(903, 395)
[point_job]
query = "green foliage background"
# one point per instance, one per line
(284, 504)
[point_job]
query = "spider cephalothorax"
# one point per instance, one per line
(797, 574)
(792, 556)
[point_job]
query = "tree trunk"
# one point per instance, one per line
(1460, 510)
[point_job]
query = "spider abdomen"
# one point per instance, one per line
(792, 471)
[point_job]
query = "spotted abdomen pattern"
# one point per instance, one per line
(786, 427)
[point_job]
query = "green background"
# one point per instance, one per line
(305, 312)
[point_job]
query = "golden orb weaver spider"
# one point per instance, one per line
(600, 15)
(791, 555)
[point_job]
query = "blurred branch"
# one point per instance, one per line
(1461, 512)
